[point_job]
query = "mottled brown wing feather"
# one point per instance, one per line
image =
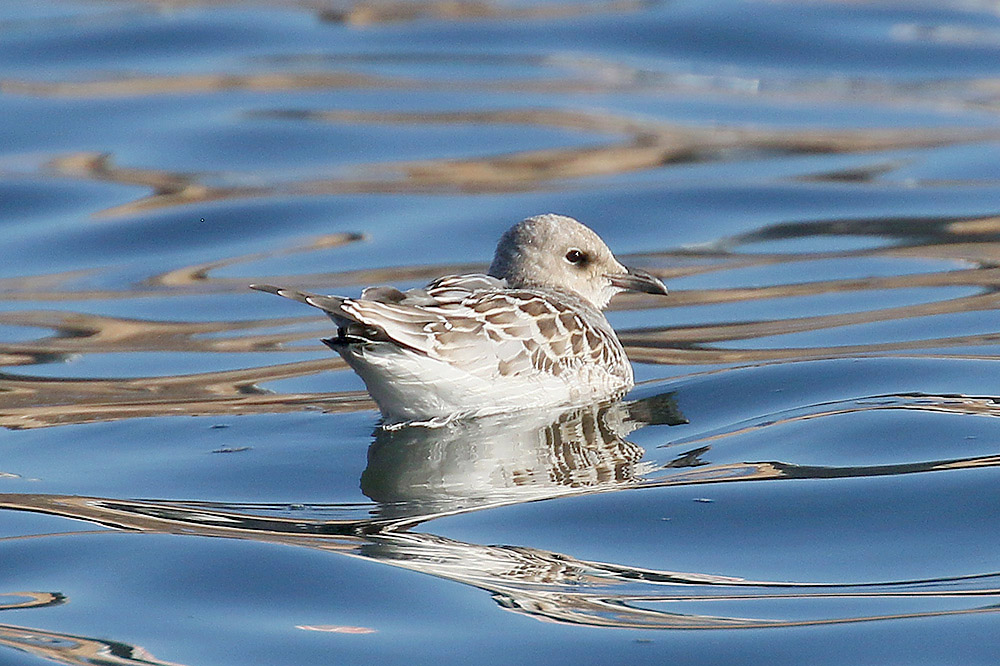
(473, 322)
(492, 333)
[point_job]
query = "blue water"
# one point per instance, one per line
(805, 473)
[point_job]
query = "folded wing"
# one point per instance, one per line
(473, 322)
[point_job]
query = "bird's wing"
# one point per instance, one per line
(494, 333)
(452, 286)
(473, 323)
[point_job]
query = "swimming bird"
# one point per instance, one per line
(528, 334)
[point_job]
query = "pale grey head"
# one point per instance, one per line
(555, 251)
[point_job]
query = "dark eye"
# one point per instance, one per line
(575, 256)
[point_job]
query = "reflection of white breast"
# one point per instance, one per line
(519, 456)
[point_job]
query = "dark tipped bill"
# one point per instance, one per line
(638, 280)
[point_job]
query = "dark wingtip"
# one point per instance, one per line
(269, 288)
(293, 294)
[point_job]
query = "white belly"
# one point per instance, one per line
(409, 386)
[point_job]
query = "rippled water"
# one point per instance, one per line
(810, 456)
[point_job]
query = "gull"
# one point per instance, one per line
(529, 334)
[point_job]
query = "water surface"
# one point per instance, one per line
(805, 473)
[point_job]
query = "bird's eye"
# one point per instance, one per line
(575, 256)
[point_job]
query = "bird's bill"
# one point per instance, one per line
(638, 280)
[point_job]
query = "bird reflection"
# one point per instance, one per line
(420, 470)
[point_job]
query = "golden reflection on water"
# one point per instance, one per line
(65, 648)
(640, 145)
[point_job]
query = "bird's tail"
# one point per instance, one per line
(331, 305)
